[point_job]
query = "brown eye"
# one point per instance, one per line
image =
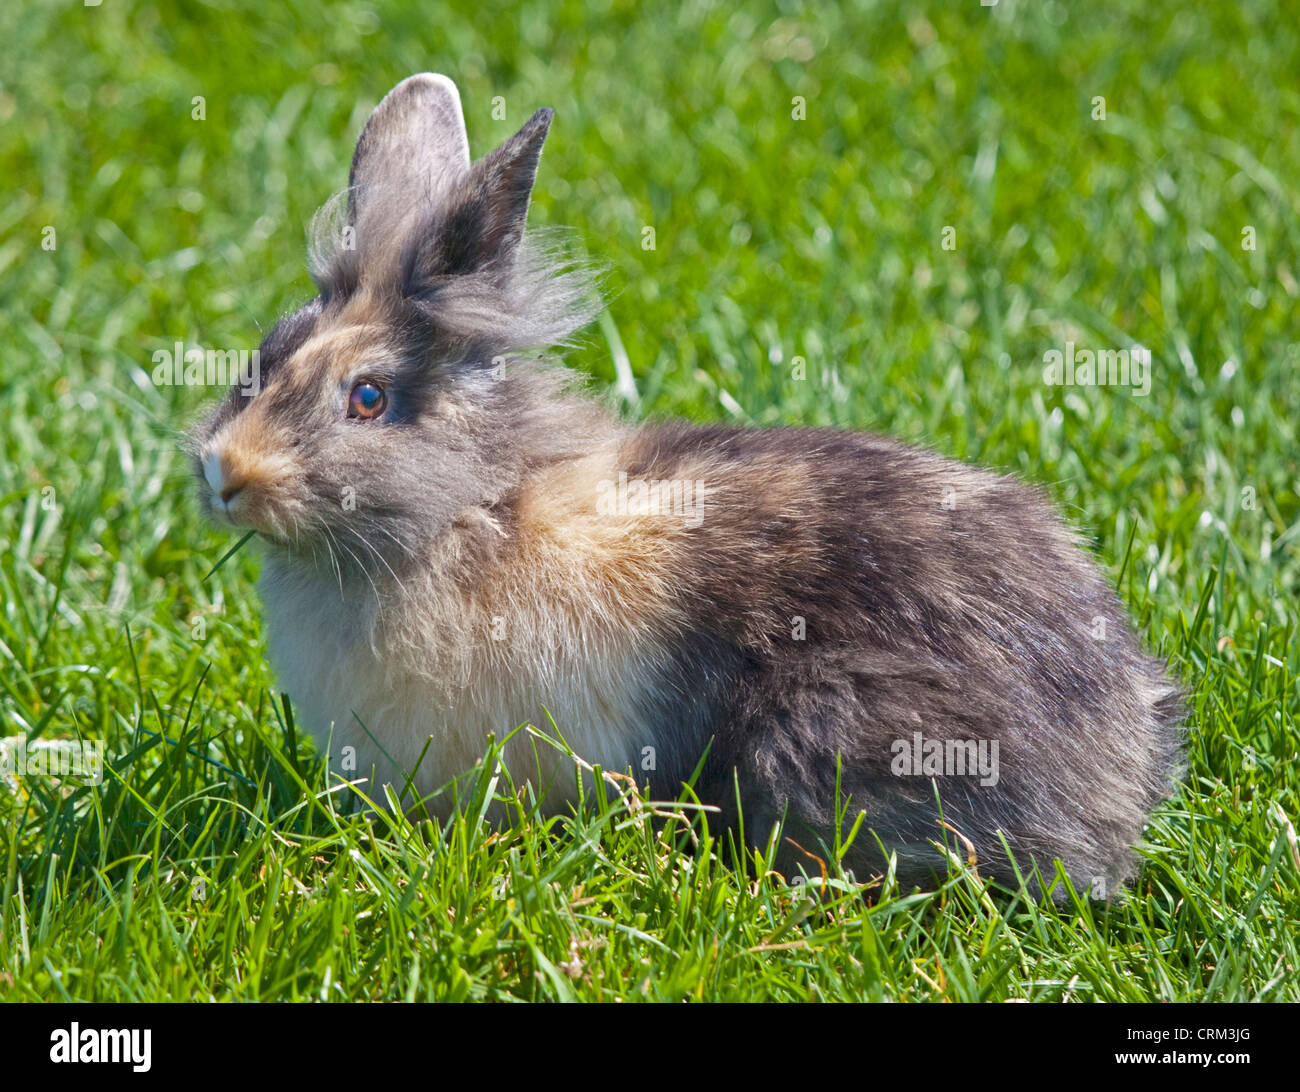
(366, 401)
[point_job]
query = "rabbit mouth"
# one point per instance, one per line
(250, 489)
(250, 509)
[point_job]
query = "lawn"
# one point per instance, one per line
(879, 216)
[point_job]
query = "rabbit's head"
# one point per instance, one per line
(409, 390)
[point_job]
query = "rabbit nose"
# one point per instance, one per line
(232, 484)
(221, 480)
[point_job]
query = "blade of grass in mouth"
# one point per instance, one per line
(229, 554)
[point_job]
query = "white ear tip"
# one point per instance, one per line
(439, 80)
(442, 92)
(432, 83)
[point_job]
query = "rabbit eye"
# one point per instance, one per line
(366, 401)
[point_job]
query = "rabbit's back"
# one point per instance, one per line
(862, 602)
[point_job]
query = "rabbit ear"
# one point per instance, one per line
(413, 147)
(483, 230)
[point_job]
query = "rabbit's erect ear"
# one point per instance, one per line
(413, 147)
(482, 231)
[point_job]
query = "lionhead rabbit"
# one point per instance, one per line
(456, 541)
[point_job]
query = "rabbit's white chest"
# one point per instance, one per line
(371, 713)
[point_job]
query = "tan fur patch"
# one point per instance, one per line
(356, 338)
(253, 456)
(620, 560)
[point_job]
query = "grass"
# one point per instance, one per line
(799, 274)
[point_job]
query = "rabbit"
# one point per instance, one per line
(459, 540)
